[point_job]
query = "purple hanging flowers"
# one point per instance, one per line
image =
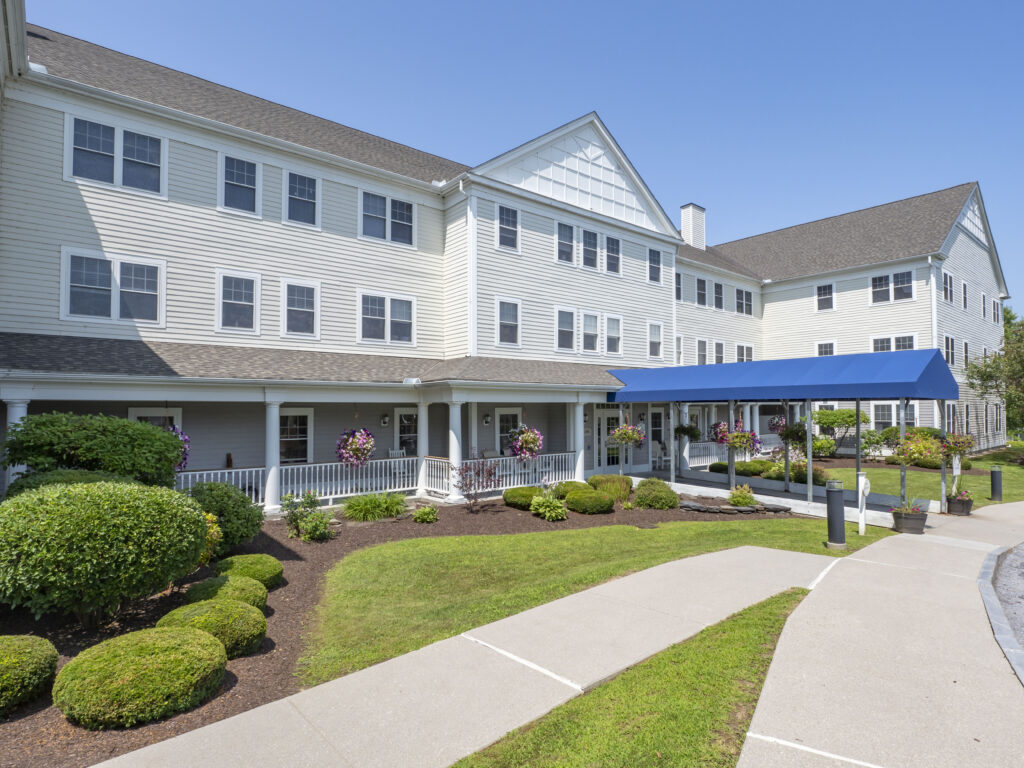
(185, 446)
(526, 442)
(356, 447)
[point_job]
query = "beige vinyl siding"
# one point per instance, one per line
(456, 280)
(695, 322)
(540, 283)
(40, 213)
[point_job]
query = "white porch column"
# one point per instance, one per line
(671, 442)
(16, 411)
(755, 418)
(474, 444)
(578, 440)
(746, 417)
(570, 428)
(454, 447)
(810, 452)
(686, 441)
(272, 459)
(422, 447)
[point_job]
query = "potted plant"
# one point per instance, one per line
(959, 501)
(908, 518)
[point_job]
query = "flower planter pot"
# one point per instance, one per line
(904, 523)
(958, 507)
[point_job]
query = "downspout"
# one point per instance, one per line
(936, 416)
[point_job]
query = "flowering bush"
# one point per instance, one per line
(356, 447)
(918, 447)
(628, 434)
(777, 423)
(526, 442)
(185, 447)
(907, 509)
(957, 445)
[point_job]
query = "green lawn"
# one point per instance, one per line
(689, 705)
(387, 600)
(926, 485)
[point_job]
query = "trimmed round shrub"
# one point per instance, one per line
(27, 666)
(34, 480)
(86, 549)
(137, 449)
(140, 677)
(230, 587)
(655, 494)
(239, 519)
(590, 502)
(267, 570)
(239, 626)
(721, 467)
(563, 489)
(521, 497)
(616, 486)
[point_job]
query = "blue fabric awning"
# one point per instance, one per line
(920, 374)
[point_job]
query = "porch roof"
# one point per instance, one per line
(920, 374)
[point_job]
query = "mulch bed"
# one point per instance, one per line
(38, 734)
(865, 465)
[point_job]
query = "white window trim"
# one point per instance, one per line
(715, 283)
(575, 331)
(360, 292)
(984, 306)
(597, 255)
(257, 279)
(600, 342)
(406, 412)
(896, 413)
(750, 346)
(316, 225)
(308, 413)
(736, 304)
(708, 356)
(833, 342)
(952, 348)
(387, 219)
(952, 288)
(575, 263)
(814, 295)
(661, 341)
(119, 127)
(604, 256)
(705, 305)
(498, 413)
(714, 351)
(258, 213)
(115, 259)
(964, 298)
(497, 322)
(622, 334)
(892, 340)
(892, 288)
(134, 414)
(497, 227)
(315, 285)
(661, 267)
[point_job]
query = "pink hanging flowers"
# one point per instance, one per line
(356, 447)
(185, 447)
(628, 434)
(526, 442)
(738, 439)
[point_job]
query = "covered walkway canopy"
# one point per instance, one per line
(919, 374)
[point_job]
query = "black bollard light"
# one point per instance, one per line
(997, 482)
(836, 515)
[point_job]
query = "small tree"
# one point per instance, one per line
(840, 422)
(474, 478)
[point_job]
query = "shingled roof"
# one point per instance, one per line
(916, 226)
(44, 353)
(91, 64)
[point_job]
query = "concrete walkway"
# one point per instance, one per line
(891, 661)
(450, 699)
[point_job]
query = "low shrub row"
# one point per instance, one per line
(752, 468)
(929, 463)
(652, 493)
(521, 497)
(616, 486)
(591, 502)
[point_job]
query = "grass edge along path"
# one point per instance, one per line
(688, 705)
(387, 600)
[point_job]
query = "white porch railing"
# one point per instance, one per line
(438, 475)
(769, 442)
(705, 454)
(333, 480)
(547, 469)
(249, 479)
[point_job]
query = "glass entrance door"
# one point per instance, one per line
(608, 454)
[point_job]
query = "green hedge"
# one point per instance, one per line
(239, 626)
(267, 570)
(87, 549)
(374, 506)
(232, 587)
(140, 677)
(616, 486)
(590, 502)
(563, 489)
(27, 666)
(652, 493)
(752, 468)
(35, 480)
(521, 496)
(47, 441)
(239, 519)
(797, 474)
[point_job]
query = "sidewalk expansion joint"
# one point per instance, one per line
(527, 663)
(911, 568)
(812, 750)
(824, 573)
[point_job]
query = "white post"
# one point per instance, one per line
(862, 501)
(732, 453)
(16, 411)
(578, 440)
(901, 405)
(755, 418)
(810, 440)
(272, 459)
(474, 445)
(746, 417)
(942, 433)
(672, 442)
(454, 448)
(570, 429)
(422, 447)
(686, 441)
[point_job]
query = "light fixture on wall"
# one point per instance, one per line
(384, 419)
(487, 419)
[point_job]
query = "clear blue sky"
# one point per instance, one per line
(768, 114)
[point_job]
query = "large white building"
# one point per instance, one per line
(175, 250)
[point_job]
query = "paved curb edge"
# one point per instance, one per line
(1004, 634)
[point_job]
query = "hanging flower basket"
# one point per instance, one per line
(185, 447)
(631, 435)
(356, 447)
(526, 442)
(777, 423)
(738, 440)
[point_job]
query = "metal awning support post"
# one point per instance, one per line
(785, 445)
(902, 405)
(856, 418)
(685, 419)
(672, 442)
(810, 442)
(942, 434)
(732, 452)
(621, 449)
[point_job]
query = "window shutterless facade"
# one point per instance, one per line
(744, 354)
(826, 348)
(300, 309)
(653, 265)
(679, 286)
(612, 255)
(591, 333)
(507, 321)
(963, 294)
(719, 352)
(702, 352)
(508, 228)
(702, 292)
(966, 357)
(589, 246)
(301, 199)
(240, 184)
(565, 246)
(296, 435)
(103, 153)
(613, 335)
(903, 342)
(108, 287)
(825, 297)
(654, 341)
(947, 287)
(386, 318)
(387, 218)
(719, 296)
(238, 301)
(995, 312)
(883, 344)
(565, 329)
(744, 302)
(950, 351)
(896, 287)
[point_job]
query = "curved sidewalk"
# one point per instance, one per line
(891, 662)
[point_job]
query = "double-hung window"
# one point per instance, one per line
(966, 357)
(654, 340)
(101, 286)
(679, 286)
(963, 294)
(950, 351)
(744, 302)
(300, 312)
(880, 289)
(387, 318)
(702, 292)
(995, 312)
(591, 332)
(613, 335)
(883, 416)
(902, 286)
(240, 185)
(826, 348)
(566, 246)
(612, 255)
(719, 352)
(744, 354)
(238, 301)
(508, 227)
(589, 249)
(901, 343)
(301, 199)
(881, 345)
(947, 287)
(385, 218)
(653, 265)
(702, 352)
(116, 156)
(951, 420)
(826, 299)
(719, 296)
(296, 435)
(565, 330)
(508, 322)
